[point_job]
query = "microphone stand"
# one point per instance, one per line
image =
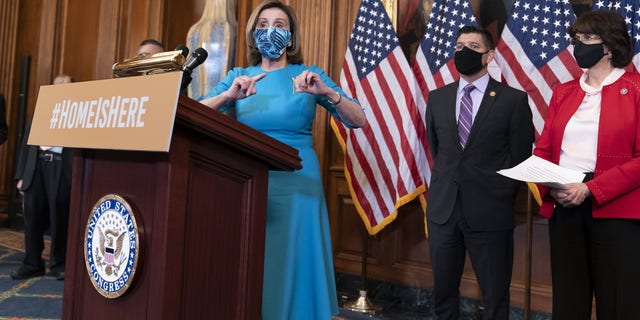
(528, 259)
(362, 303)
(186, 80)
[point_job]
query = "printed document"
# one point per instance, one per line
(538, 170)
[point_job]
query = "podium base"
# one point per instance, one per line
(362, 304)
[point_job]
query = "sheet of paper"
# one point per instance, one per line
(538, 170)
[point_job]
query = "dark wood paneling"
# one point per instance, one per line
(180, 16)
(206, 228)
(245, 8)
(8, 42)
(79, 46)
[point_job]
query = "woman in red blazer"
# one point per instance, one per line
(593, 125)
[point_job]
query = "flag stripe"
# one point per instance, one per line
(401, 84)
(382, 160)
(364, 178)
(352, 150)
(522, 79)
(382, 138)
(367, 159)
(513, 74)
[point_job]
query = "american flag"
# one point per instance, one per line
(630, 10)
(535, 51)
(434, 65)
(385, 161)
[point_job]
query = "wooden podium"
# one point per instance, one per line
(201, 212)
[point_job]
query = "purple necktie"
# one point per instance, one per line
(465, 119)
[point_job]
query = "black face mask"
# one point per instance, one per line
(468, 62)
(587, 55)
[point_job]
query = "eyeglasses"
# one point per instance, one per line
(584, 38)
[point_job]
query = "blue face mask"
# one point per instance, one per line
(272, 42)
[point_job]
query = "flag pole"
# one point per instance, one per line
(362, 303)
(528, 258)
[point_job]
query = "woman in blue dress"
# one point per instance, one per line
(278, 96)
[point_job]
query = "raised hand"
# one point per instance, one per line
(243, 86)
(310, 82)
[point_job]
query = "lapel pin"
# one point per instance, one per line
(624, 91)
(492, 93)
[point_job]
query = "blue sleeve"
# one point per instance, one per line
(223, 86)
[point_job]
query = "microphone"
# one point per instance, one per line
(184, 49)
(197, 58)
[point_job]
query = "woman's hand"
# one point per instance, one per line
(310, 82)
(349, 111)
(572, 195)
(243, 86)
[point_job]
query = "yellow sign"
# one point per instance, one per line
(133, 113)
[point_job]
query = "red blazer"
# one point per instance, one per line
(617, 172)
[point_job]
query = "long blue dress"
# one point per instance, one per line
(299, 280)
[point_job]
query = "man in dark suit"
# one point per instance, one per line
(44, 178)
(475, 127)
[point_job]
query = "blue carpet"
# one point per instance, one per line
(37, 298)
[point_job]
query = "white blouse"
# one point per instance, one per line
(580, 140)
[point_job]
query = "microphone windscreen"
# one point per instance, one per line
(197, 58)
(184, 49)
(201, 55)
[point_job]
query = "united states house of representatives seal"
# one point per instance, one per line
(111, 246)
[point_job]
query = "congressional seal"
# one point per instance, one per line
(111, 246)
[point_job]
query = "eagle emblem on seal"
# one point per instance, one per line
(109, 254)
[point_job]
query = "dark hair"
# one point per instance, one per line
(153, 42)
(294, 52)
(487, 39)
(611, 28)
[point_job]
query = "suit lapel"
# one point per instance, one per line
(451, 110)
(488, 101)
